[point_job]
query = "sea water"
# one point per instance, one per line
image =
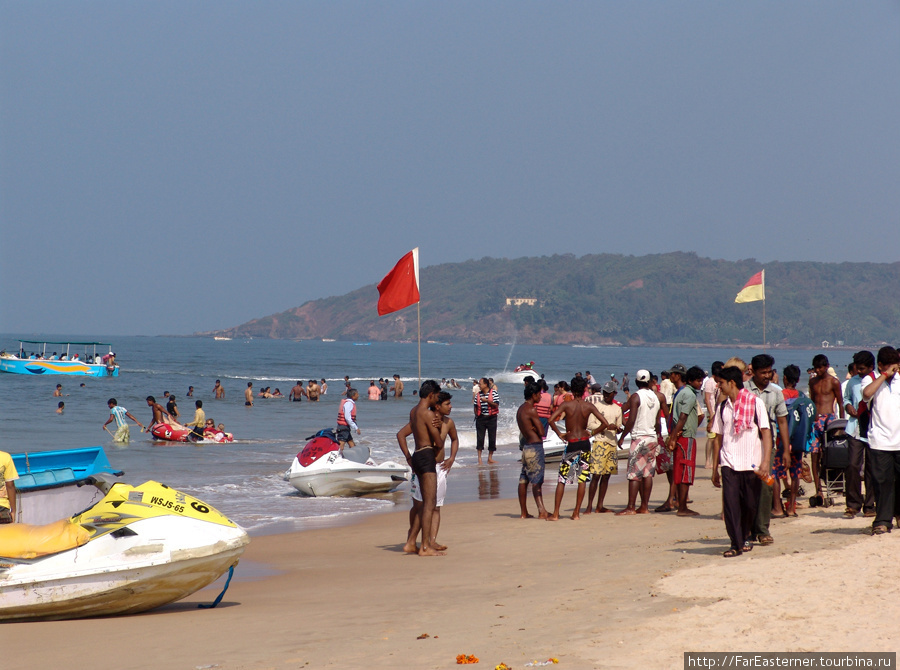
(243, 479)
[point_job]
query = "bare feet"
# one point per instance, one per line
(543, 515)
(576, 516)
(439, 547)
(410, 549)
(687, 512)
(604, 510)
(526, 515)
(643, 510)
(587, 510)
(491, 461)
(428, 551)
(553, 517)
(628, 511)
(665, 507)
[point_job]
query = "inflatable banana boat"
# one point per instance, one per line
(138, 548)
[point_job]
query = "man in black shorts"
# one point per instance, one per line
(426, 431)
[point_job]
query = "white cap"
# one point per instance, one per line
(642, 376)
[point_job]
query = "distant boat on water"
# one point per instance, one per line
(327, 339)
(221, 339)
(40, 362)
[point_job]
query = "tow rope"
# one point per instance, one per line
(221, 595)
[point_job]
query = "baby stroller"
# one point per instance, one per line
(834, 460)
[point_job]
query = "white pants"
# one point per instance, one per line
(441, 487)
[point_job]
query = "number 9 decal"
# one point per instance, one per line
(203, 509)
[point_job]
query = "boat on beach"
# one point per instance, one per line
(136, 549)
(88, 363)
(321, 470)
(50, 483)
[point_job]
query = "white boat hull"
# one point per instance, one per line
(167, 559)
(336, 476)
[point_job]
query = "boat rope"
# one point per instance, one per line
(218, 599)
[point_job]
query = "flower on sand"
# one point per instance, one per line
(466, 659)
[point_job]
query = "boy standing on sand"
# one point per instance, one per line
(883, 397)
(682, 440)
(426, 434)
(644, 411)
(604, 461)
(532, 452)
(760, 384)
(443, 407)
(574, 464)
(824, 391)
(743, 445)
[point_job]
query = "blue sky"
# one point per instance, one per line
(170, 167)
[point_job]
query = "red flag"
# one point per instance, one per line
(400, 286)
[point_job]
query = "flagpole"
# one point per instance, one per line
(419, 322)
(764, 324)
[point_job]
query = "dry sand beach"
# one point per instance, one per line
(603, 592)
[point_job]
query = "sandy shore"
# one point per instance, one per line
(605, 591)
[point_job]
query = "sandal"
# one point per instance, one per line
(748, 546)
(731, 553)
(765, 540)
(880, 530)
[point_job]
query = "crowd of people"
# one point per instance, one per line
(757, 434)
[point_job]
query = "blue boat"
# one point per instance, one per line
(67, 362)
(49, 484)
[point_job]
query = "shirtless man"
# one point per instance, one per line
(248, 395)
(574, 464)
(424, 421)
(443, 407)
(313, 391)
(219, 390)
(397, 388)
(159, 413)
(532, 451)
(58, 392)
(297, 393)
(824, 391)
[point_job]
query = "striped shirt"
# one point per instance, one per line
(482, 400)
(741, 452)
(118, 413)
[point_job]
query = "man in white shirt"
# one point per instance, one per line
(743, 447)
(883, 396)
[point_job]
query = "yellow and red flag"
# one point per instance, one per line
(753, 290)
(400, 286)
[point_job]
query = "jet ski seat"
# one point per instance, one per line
(357, 454)
(19, 540)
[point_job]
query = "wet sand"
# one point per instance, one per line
(606, 591)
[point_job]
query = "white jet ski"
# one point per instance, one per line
(136, 549)
(320, 470)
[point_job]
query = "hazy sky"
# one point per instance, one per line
(170, 167)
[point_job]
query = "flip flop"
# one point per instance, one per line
(748, 546)
(765, 540)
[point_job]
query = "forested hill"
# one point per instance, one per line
(614, 299)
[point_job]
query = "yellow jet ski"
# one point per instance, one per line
(136, 549)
